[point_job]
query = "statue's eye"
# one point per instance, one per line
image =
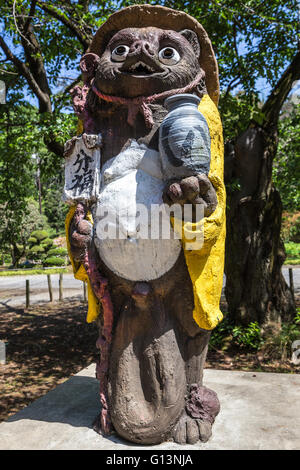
(119, 53)
(169, 56)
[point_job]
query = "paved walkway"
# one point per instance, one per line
(12, 289)
(258, 411)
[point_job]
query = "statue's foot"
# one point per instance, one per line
(190, 430)
(201, 408)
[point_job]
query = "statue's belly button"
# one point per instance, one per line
(124, 238)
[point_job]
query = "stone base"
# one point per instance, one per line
(258, 411)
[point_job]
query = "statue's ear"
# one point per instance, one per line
(192, 37)
(88, 65)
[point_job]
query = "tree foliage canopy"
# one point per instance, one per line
(40, 47)
(42, 42)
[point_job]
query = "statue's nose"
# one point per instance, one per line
(141, 46)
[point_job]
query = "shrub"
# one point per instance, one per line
(41, 244)
(292, 249)
(47, 242)
(37, 252)
(279, 345)
(52, 233)
(59, 251)
(295, 232)
(37, 249)
(248, 337)
(221, 334)
(297, 317)
(290, 228)
(54, 261)
(6, 258)
(39, 234)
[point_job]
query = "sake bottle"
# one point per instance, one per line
(184, 139)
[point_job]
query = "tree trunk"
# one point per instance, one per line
(16, 254)
(255, 287)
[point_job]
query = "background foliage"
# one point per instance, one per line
(40, 47)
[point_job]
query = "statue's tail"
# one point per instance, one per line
(147, 380)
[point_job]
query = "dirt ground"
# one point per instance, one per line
(48, 343)
(45, 345)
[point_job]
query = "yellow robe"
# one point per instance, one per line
(79, 272)
(206, 265)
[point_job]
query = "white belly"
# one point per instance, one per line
(132, 184)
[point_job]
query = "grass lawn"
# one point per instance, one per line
(292, 253)
(20, 272)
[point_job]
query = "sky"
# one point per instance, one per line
(262, 85)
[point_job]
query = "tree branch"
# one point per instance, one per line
(84, 38)
(53, 145)
(233, 83)
(31, 14)
(26, 73)
(35, 61)
(273, 105)
(59, 97)
(33, 55)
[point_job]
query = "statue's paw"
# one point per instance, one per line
(190, 430)
(201, 408)
(80, 233)
(193, 189)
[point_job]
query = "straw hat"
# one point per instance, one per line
(164, 18)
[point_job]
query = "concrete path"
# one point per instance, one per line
(258, 411)
(12, 289)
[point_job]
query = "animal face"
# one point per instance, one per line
(145, 61)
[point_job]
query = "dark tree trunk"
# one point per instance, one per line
(255, 287)
(16, 254)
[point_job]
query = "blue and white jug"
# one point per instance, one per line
(184, 139)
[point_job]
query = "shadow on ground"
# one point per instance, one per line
(75, 402)
(45, 345)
